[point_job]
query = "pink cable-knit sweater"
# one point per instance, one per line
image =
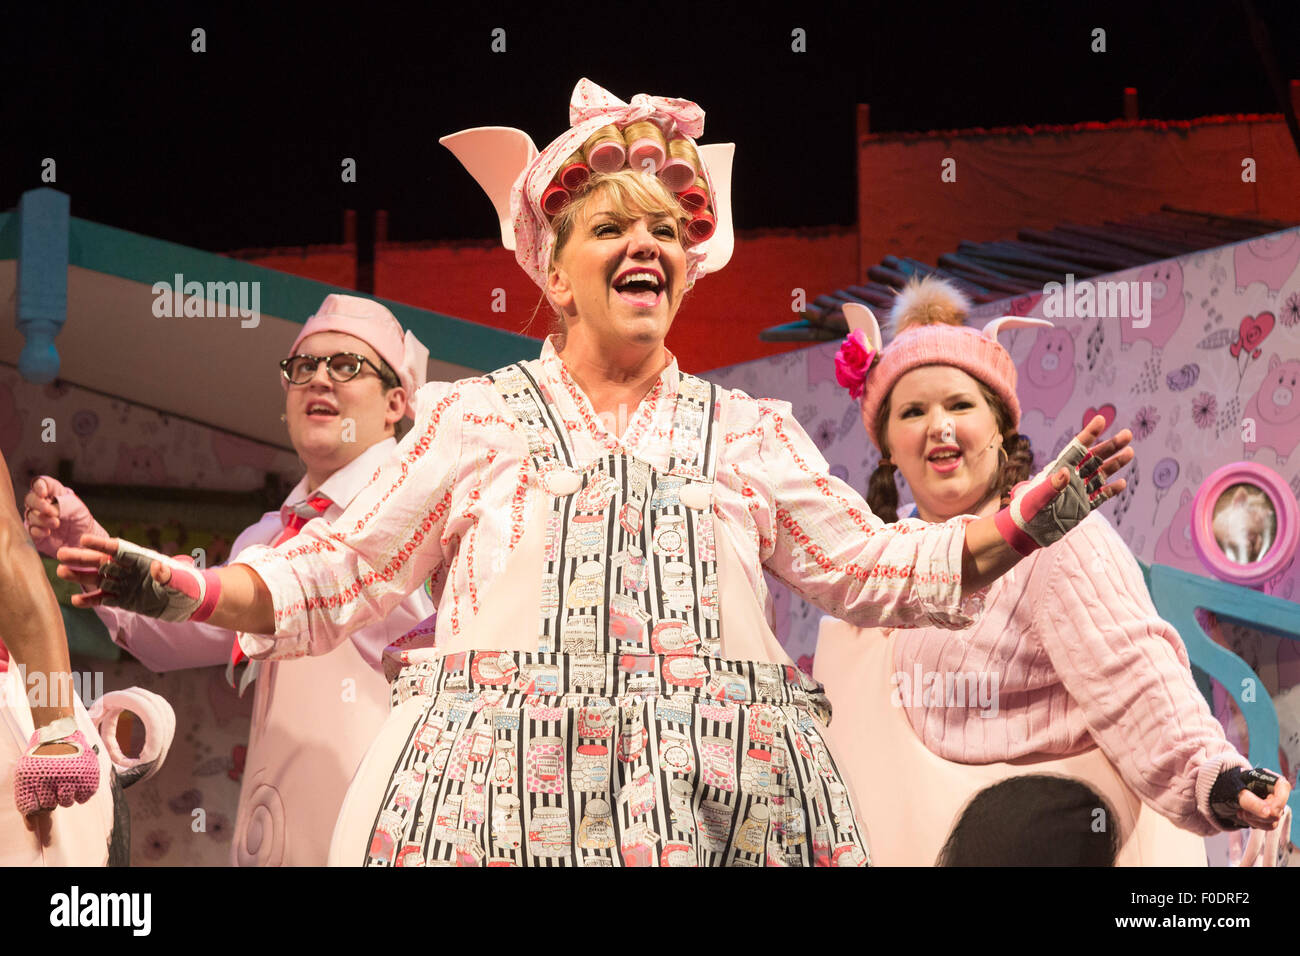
(1081, 658)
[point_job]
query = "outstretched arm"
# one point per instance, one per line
(167, 588)
(333, 578)
(56, 517)
(1128, 671)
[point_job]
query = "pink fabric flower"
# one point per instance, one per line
(852, 362)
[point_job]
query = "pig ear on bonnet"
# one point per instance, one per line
(991, 330)
(861, 318)
(717, 159)
(495, 156)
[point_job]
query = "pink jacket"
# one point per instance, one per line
(1080, 658)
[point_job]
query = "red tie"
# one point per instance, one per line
(293, 518)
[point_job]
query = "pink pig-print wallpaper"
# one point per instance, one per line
(1208, 376)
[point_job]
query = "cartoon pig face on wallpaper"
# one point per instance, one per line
(1275, 408)
(1047, 375)
(1269, 260)
(139, 465)
(1168, 303)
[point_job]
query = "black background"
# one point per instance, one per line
(241, 146)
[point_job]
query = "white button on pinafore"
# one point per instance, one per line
(695, 495)
(561, 481)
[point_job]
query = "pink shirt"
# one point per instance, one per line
(461, 493)
(1081, 658)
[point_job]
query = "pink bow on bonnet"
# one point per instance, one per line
(373, 324)
(506, 163)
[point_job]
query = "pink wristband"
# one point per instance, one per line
(1020, 542)
(187, 580)
(210, 598)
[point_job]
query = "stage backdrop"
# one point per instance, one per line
(1224, 326)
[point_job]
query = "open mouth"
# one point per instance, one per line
(319, 411)
(641, 287)
(945, 458)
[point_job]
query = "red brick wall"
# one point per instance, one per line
(1008, 180)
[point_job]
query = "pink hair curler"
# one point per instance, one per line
(554, 199)
(605, 150)
(677, 174)
(574, 176)
(645, 155)
(646, 147)
(682, 168)
(693, 198)
(700, 228)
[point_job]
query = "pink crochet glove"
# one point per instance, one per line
(1040, 515)
(74, 518)
(58, 780)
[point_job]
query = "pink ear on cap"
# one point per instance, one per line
(495, 156)
(860, 317)
(991, 330)
(717, 159)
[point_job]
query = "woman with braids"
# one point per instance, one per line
(1069, 670)
(605, 689)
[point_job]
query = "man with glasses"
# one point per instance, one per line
(349, 380)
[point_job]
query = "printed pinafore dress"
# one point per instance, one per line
(625, 739)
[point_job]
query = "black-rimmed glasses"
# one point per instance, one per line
(341, 366)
